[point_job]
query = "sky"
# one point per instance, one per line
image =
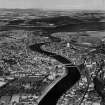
(54, 4)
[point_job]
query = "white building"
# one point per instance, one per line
(68, 44)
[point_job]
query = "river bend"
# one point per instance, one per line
(72, 76)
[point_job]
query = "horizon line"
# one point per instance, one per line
(57, 9)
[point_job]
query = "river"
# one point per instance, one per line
(72, 76)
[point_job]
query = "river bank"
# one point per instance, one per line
(51, 97)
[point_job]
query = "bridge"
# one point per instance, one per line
(68, 65)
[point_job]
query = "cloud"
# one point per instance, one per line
(54, 4)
